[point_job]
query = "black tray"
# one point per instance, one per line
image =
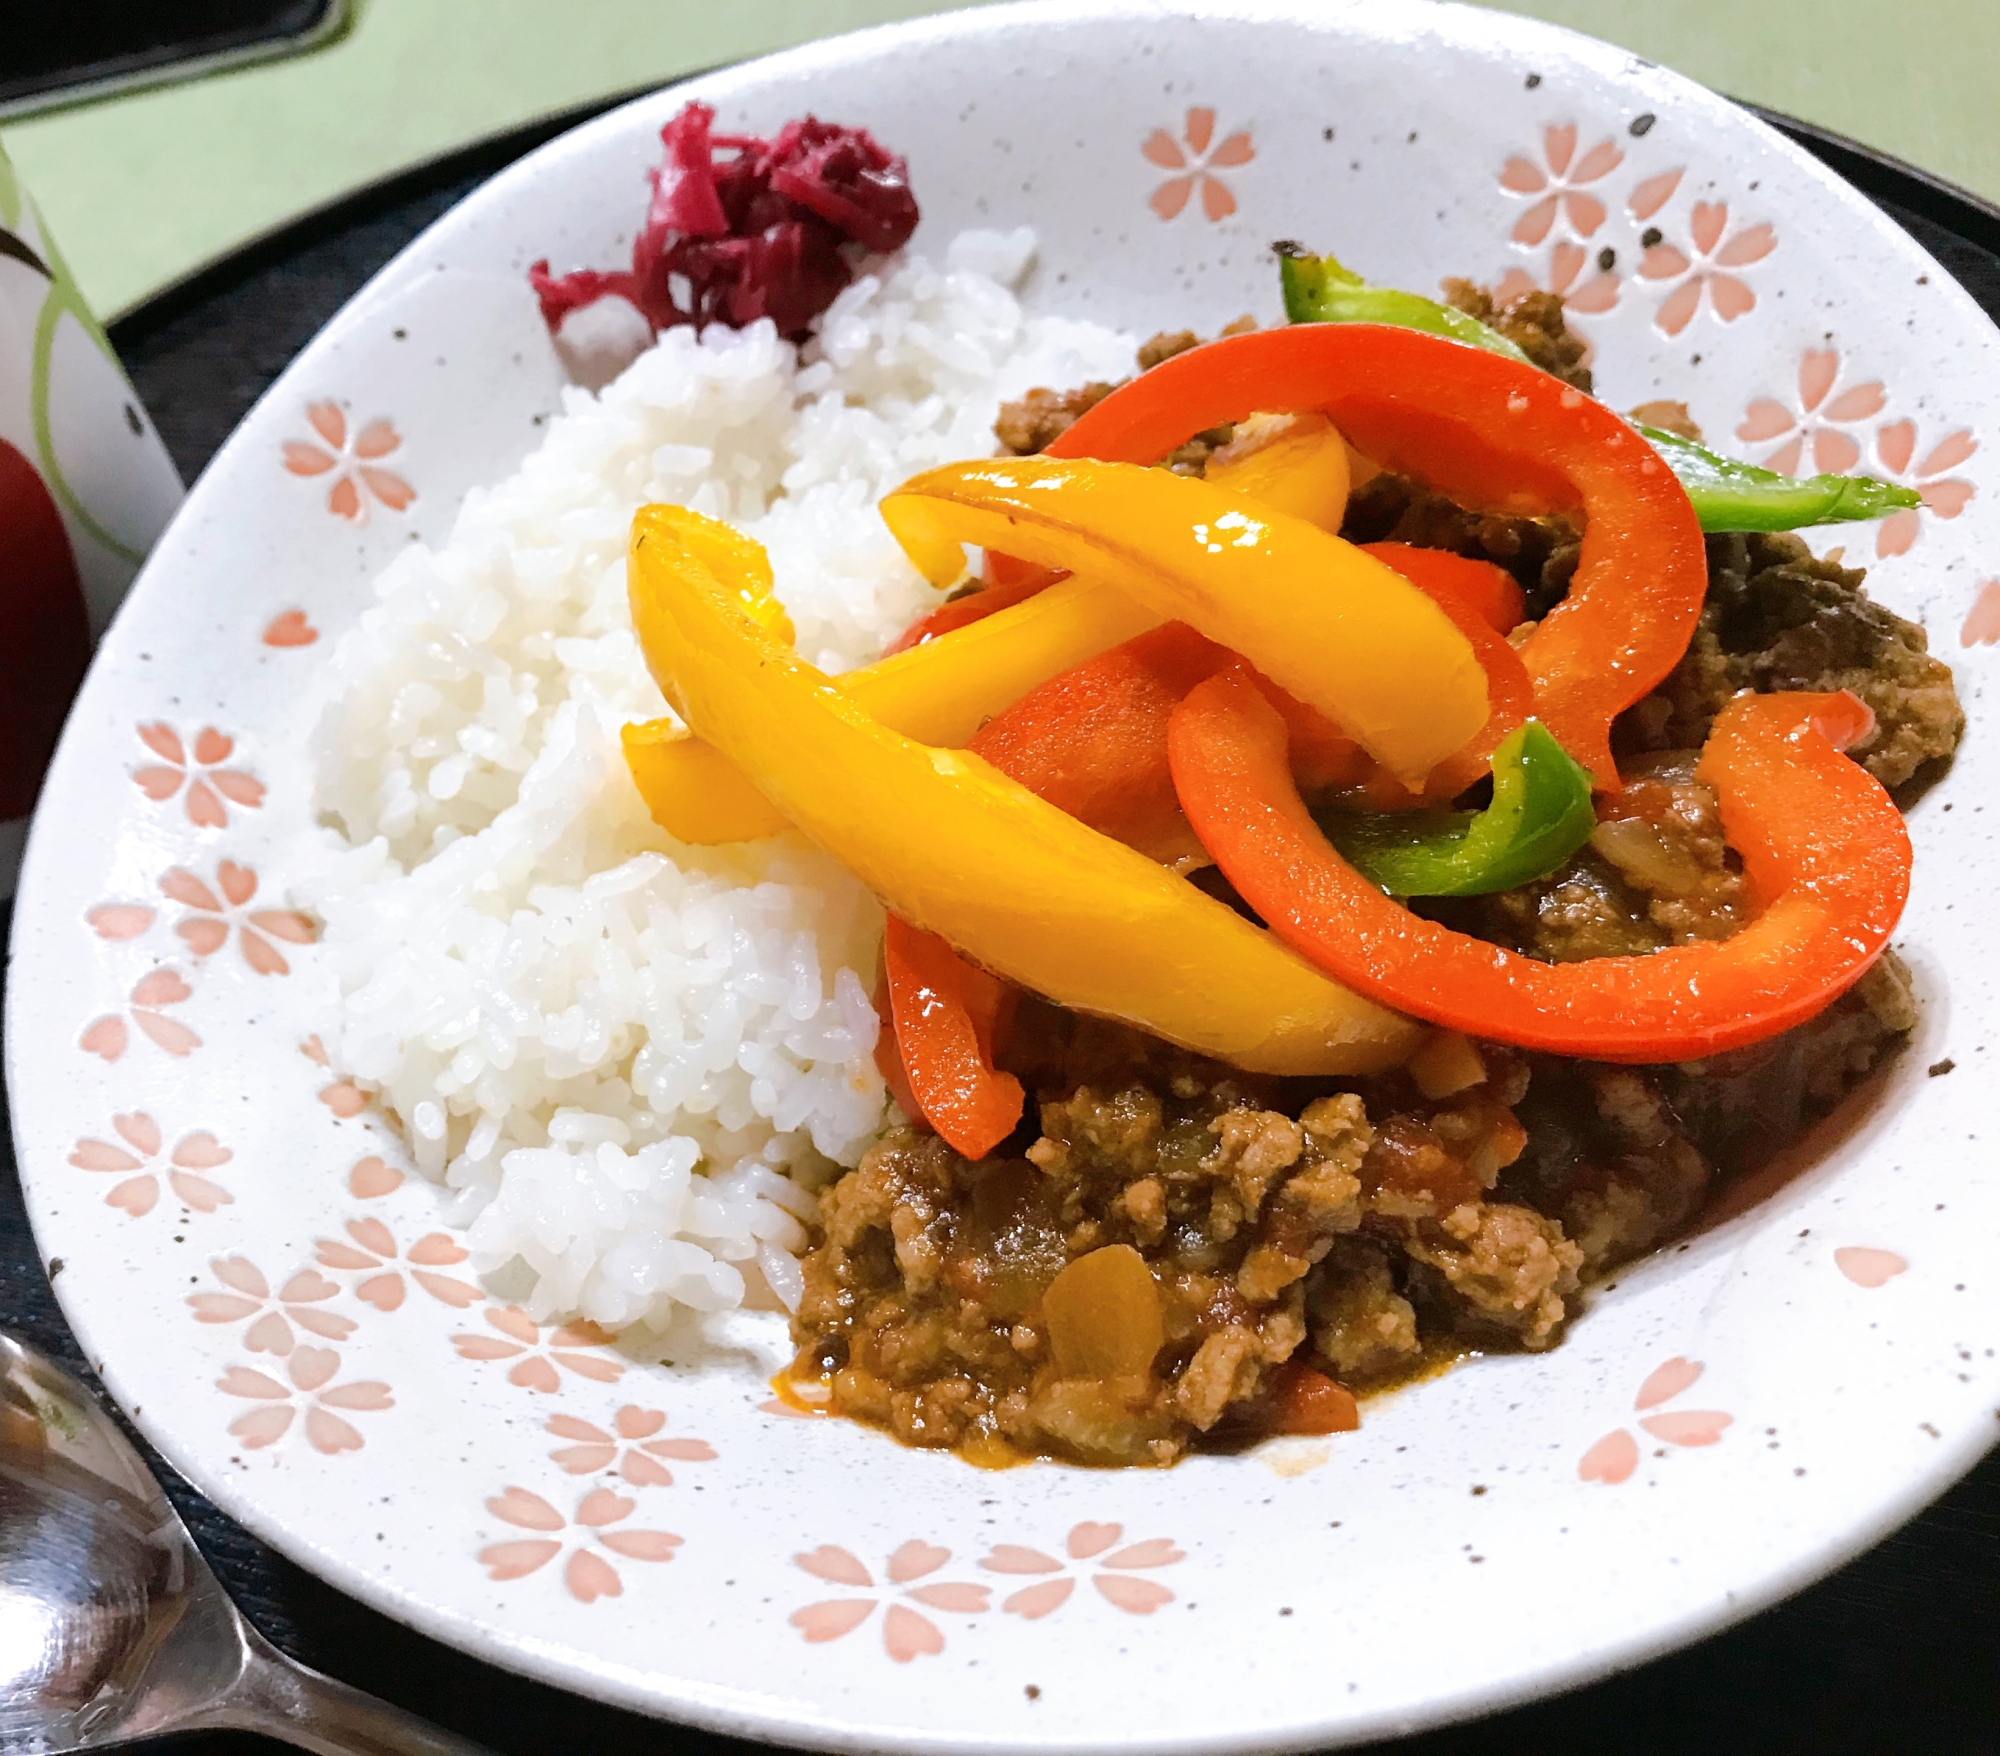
(1900, 1651)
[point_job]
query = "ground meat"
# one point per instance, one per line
(1365, 1229)
(1037, 420)
(1668, 417)
(1607, 1158)
(1533, 321)
(1041, 417)
(924, 1290)
(1480, 1268)
(1744, 1107)
(1540, 553)
(1777, 617)
(1363, 1329)
(1654, 873)
(1266, 1214)
(1164, 346)
(1503, 1267)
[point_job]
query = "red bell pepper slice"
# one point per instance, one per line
(889, 1052)
(1490, 433)
(1093, 741)
(1823, 844)
(1302, 1399)
(946, 1015)
(1009, 582)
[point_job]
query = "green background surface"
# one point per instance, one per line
(141, 190)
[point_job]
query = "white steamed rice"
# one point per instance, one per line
(629, 1062)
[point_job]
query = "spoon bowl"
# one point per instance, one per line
(112, 1626)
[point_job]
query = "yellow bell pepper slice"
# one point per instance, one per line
(1294, 463)
(938, 693)
(954, 846)
(1333, 626)
(941, 692)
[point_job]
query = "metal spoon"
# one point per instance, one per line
(112, 1627)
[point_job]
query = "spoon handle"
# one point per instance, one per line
(284, 1700)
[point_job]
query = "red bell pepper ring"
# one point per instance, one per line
(946, 1014)
(1823, 844)
(1488, 591)
(1492, 434)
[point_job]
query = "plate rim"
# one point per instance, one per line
(735, 1711)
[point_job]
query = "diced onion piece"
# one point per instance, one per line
(1103, 1316)
(1117, 1422)
(1446, 1061)
(1645, 856)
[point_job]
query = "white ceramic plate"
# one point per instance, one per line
(279, 1307)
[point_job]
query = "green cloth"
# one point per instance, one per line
(142, 190)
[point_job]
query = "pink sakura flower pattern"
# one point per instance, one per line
(1559, 185)
(1867, 1266)
(370, 1251)
(306, 1389)
(1614, 1457)
(1828, 429)
(108, 1037)
(1589, 298)
(1196, 164)
(357, 477)
(289, 628)
(216, 916)
(536, 1361)
(1112, 1574)
(1982, 621)
(777, 1405)
(1943, 494)
(632, 1447)
(906, 1633)
(372, 1178)
(587, 1574)
(343, 1097)
(268, 1317)
(211, 788)
(1817, 427)
(139, 1190)
(118, 921)
(1653, 193)
(1706, 272)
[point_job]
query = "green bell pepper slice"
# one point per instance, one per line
(1727, 495)
(1318, 289)
(1541, 814)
